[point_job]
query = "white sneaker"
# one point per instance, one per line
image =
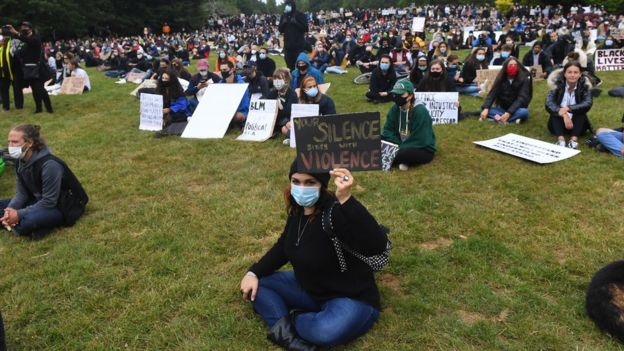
(286, 141)
(560, 143)
(403, 167)
(573, 144)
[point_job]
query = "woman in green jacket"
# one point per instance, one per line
(409, 125)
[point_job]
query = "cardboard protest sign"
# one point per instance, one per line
(536, 72)
(388, 154)
(73, 85)
(609, 60)
(418, 24)
(351, 141)
(215, 111)
(260, 121)
(486, 78)
(135, 77)
(529, 149)
(148, 83)
(300, 110)
(151, 112)
(443, 107)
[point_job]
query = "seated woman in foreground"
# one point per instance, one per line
(409, 125)
(317, 303)
(568, 101)
(512, 92)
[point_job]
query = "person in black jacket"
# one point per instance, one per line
(382, 81)
(265, 64)
(436, 80)
(467, 78)
(560, 47)
(293, 24)
(30, 54)
(286, 96)
(258, 84)
(512, 92)
(34, 210)
(568, 101)
(536, 56)
(10, 75)
(317, 303)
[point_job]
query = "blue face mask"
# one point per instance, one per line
(287, 9)
(480, 57)
(504, 54)
(262, 56)
(305, 196)
(312, 92)
(608, 42)
(384, 66)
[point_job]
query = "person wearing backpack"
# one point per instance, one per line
(48, 195)
(330, 296)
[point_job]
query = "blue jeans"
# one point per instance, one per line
(468, 89)
(326, 323)
(521, 113)
(611, 140)
(42, 219)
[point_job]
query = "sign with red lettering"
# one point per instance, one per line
(351, 141)
(609, 60)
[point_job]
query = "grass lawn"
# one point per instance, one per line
(491, 252)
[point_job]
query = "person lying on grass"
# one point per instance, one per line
(317, 303)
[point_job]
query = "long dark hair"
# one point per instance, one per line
(174, 91)
(430, 84)
(523, 74)
(390, 72)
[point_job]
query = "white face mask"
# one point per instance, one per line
(203, 73)
(16, 152)
(278, 84)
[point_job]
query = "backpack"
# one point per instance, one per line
(73, 198)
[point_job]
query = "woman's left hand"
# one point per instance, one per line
(344, 182)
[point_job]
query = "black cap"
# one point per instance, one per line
(323, 178)
(27, 24)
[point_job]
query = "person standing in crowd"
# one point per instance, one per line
(382, 80)
(10, 74)
(42, 181)
(512, 91)
(293, 25)
(317, 303)
(30, 54)
(409, 125)
(568, 101)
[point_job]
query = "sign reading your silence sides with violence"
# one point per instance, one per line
(351, 141)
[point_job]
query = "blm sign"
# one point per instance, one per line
(351, 141)
(609, 60)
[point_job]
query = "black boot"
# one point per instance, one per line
(283, 333)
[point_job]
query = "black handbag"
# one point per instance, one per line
(30, 70)
(375, 262)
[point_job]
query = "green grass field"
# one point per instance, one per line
(490, 252)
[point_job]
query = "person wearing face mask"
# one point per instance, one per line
(229, 76)
(285, 96)
(223, 59)
(441, 52)
(467, 79)
(45, 187)
(174, 101)
(265, 64)
(610, 43)
(409, 125)
(199, 81)
(298, 305)
(568, 101)
(381, 82)
(418, 71)
(310, 94)
(293, 25)
(436, 80)
(515, 50)
(304, 69)
(30, 55)
(537, 56)
(505, 53)
(10, 75)
(320, 58)
(512, 92)
(258, 84)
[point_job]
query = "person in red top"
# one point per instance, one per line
(166, 29)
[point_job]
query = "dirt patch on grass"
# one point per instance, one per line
(392, 281)
(436, 244)
(471, 318)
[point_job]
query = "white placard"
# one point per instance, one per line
(385, 12)
(215, 111)
(497, 35)
(529, 149)
(260, 121)
(388, 154)
(300, 110)
(402, 12)
(609, 60)
(418, 24)
(151, 112)
(184, 83)
(443, 107)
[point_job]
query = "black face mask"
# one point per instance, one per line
(166, 83)
(399, 100)
(435, 74)
(302, 68)
(225, 74)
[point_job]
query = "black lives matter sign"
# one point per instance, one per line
(351, 141)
